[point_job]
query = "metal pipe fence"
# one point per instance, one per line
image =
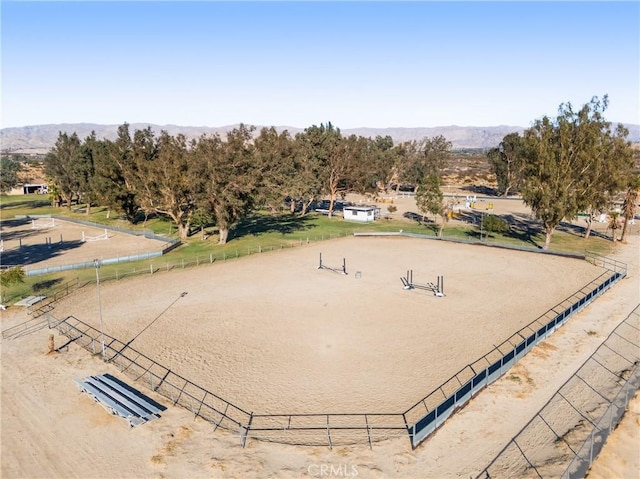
(429, 413)
(333, 429)
(144, 370)
(171, 244)
(160, 264)
(605, 262)
(300, 429)
(26, 327)
(477, 242)
(145, 232)
(91, 263)
(327, 429)
(565, 436)
(46, 305)
(420, 420)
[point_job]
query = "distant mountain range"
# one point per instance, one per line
(40, 138)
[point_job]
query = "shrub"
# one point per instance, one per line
(12, 276)
(495, 224)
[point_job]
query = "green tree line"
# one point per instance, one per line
(224, 179)
(561, 166)
(574, 163)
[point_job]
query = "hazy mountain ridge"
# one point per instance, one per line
(43, 137)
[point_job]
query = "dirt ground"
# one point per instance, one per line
(274, 334)
(620, 456)
(43, 242)
(272, 331)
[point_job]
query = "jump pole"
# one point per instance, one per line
(437, 289)
(440, 287)
(335, 270)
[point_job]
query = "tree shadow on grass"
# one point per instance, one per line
(46, 285)
(260, 224)
(580, 231)
(428, 223)
(521, 227)
(481, 190)
(24, 204)
(410, 215)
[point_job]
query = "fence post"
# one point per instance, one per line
(151, 269)
(368, 431)
(611, 406)
(243, 437)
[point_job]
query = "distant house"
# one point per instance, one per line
(362, 214)
(29, 189)
(39, 188)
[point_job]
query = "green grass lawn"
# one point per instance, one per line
(259, 233)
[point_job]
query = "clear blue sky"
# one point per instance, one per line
(375, 64)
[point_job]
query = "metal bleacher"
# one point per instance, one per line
(120, 399)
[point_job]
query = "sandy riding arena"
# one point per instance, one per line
(43, 242)
(272, 333)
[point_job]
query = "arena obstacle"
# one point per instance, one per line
(40, 225)
(437, 289)
(342, 270)
(103, 236)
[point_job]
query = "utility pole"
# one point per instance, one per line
(96, 263)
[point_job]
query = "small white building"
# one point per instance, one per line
(39, 188)
(362, 214)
